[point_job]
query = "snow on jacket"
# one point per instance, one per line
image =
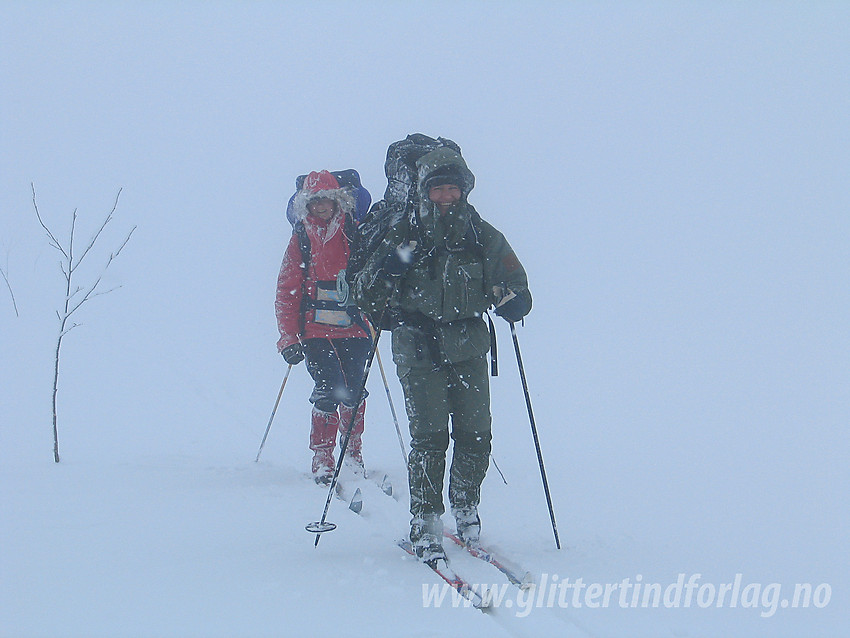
(329, 251)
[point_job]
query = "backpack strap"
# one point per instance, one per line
(304, 245)
(472, 236)
(349, 229)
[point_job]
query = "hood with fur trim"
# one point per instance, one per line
(443, 162)
(322, 185)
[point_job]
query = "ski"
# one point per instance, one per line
(448, 574)
(511, 572)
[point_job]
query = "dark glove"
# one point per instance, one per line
(516, 307)
(398, 261)
(293, 354)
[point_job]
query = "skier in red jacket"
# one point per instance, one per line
(313, 324)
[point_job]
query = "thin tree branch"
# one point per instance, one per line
(71, 242)
(124, 243)
(53, 241)
(100, 230)
(9, 286)
(74, 294)
(105, 292)
(67, 330)
(94, 286)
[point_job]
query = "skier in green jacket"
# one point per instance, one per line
(434, 276)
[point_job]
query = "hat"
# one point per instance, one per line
(444, 175)
(315, 182)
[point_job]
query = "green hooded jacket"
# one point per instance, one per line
(460, 267)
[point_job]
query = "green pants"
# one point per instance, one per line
(432, 395)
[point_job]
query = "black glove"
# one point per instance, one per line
(293, 354)
(516, 307)
(398, 261)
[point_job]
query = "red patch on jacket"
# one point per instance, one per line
(510, 262)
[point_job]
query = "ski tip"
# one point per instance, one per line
(527, 582)
(356, 504)
(406, 546)
(386, 485)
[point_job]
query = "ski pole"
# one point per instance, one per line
(392, 405)
(534, 434)
(320, 527)
(498, 469)
(271, 418)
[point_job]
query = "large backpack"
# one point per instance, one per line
(401, 197)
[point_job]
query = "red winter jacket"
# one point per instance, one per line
(328, 255)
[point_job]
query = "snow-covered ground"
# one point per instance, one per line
(673, 177)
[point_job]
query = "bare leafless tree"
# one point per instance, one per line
(75, 295)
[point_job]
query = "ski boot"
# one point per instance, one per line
(322, 440)
(354, 449)
(426, 537)
(468, 525)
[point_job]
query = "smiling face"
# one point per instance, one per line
(323, 208)
(444, 196)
